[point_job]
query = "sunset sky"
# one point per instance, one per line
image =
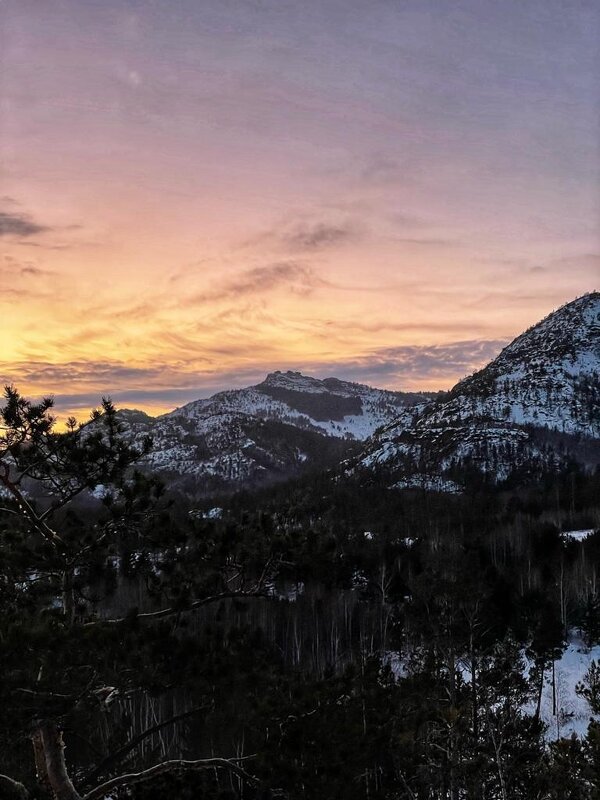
(197, 192)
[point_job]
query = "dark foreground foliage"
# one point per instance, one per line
(319, 640)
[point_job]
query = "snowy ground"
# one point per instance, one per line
(573, 713)
(578, 536)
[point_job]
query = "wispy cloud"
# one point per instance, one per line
(316, 236)
(307, 233)
(82, 371)
(334, 326)
(550, 298)
(584, 262)
(45, 246)
(411, 366)
(292, 275)
(80, 384)
(24, 279)
(428, 242)
(97, 377)
(382, 170)
(21, 225)
(406, 220)
(18, 268)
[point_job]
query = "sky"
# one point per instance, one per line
(194, 193)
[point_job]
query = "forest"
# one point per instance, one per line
(321, 638)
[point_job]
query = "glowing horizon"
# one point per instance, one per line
(196, 194)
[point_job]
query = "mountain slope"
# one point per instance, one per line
(548, 376)
(276, 429)
(527, 411)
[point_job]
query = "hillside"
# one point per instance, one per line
(532, 408)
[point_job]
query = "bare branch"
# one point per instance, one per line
(167, 767)
(9, 511)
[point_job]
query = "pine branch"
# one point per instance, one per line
(28, 511)
(169, 612)
(42, 694)
(63, 501)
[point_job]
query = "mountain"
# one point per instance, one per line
(331, 406)
(534, 407)
(276, 429)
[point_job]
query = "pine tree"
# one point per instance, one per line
(67, 665)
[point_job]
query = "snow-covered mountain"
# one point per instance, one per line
(261, 433)
(536, 405)
(333, 407)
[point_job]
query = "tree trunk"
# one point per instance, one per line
(540, 690)
(40, 763)
(68, 596)
(56, 768)
(554, 710)
(474, 691)
(497, 745)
